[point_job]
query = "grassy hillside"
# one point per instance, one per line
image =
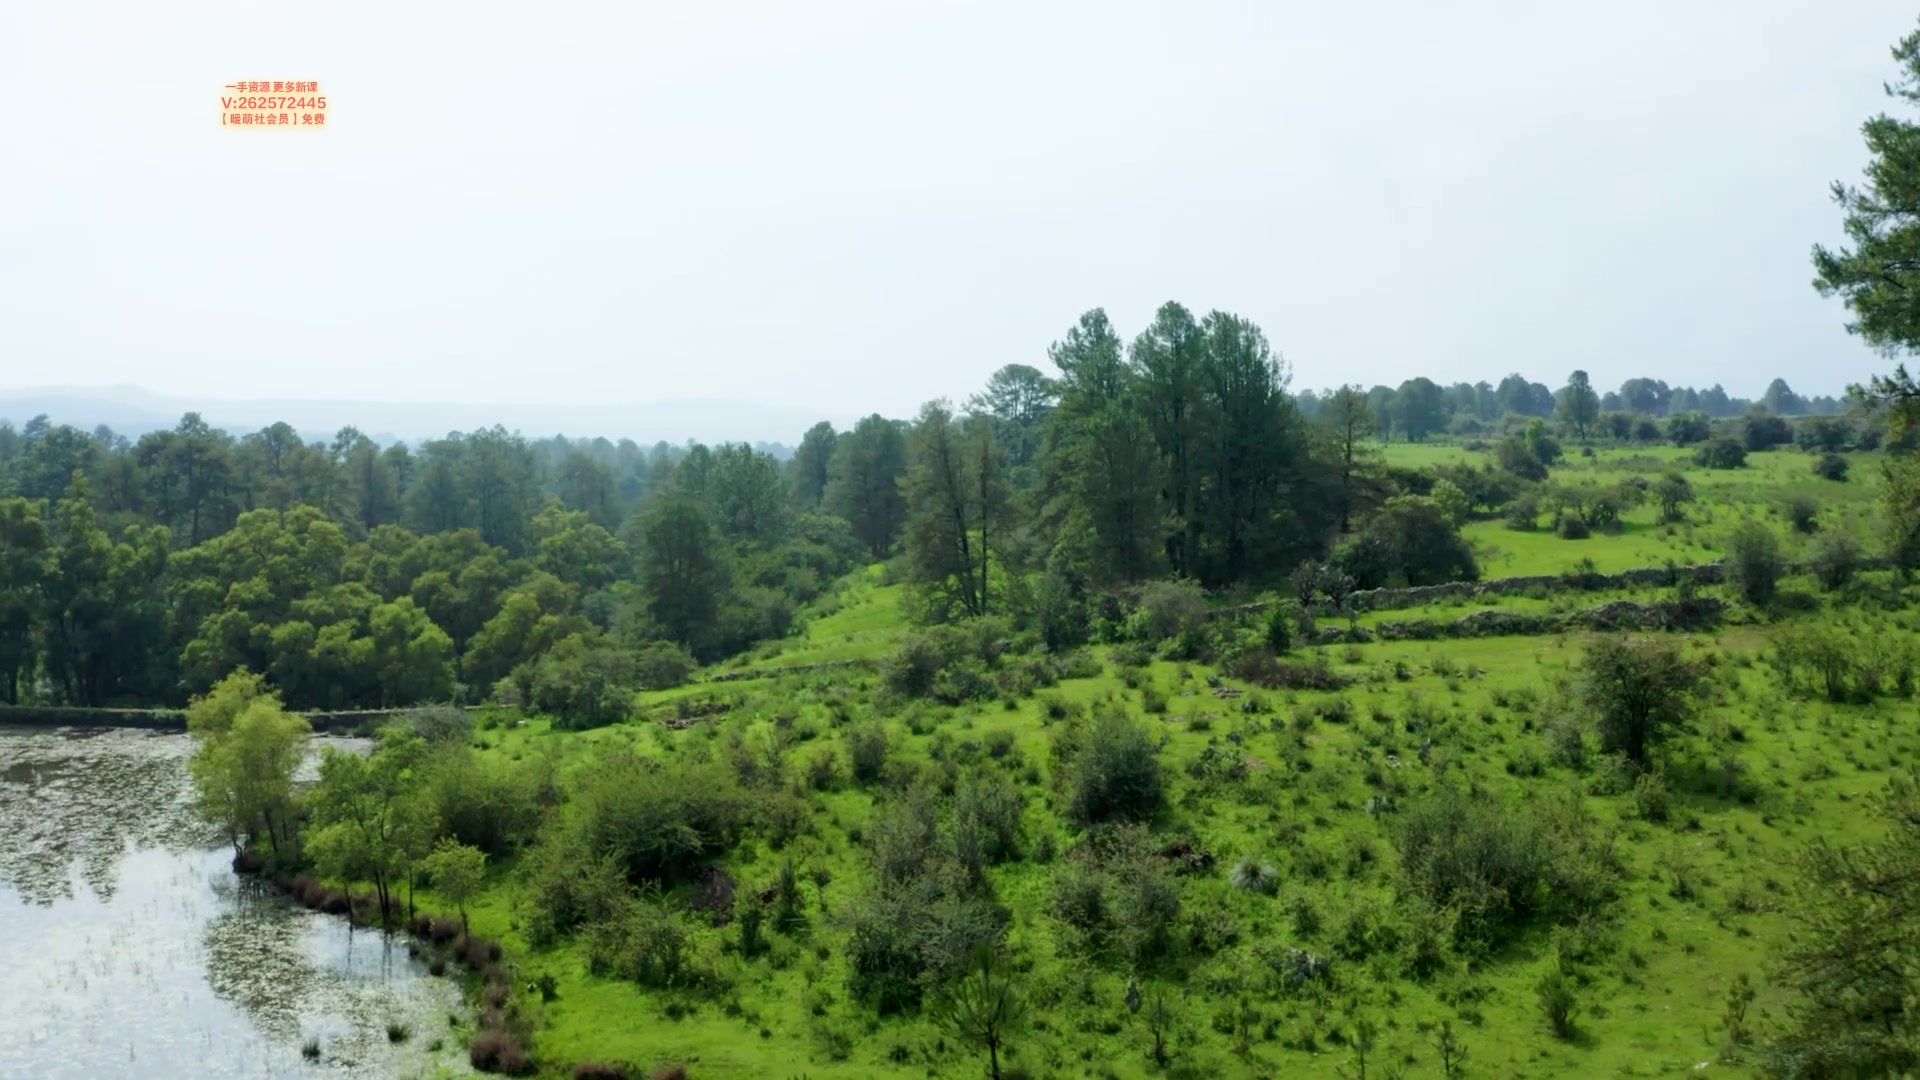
(1315, 784)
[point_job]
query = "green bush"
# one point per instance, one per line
(1721, 454)
(439, 723)
(487, 801)
(657, 823)
(986, 820)
(645, 941)
(583, 684)
(1499, 867)
(1114, 770)
(1803, 513)
(660, 665)
(867, 751)
(1170, 611)
(1753, 564)
(1831, 467)
(1834, 559)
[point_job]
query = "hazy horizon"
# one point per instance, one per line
(855, 208)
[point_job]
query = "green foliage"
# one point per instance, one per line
(1831, 466)
(983, 1007)
(1113, 770)
(368, 820)
(248, 749)
(1854, 968)
(658, 824)
(1803, 513)
(1673, 493)
(662, 665)
(1639, 690)
(436, 724)
(1753, 563)
(644, 940)
(457, 872)
(1557, 1002)
(488, 801)
(1834, 559)
(1409, 541)
(1721, 454)
(583, 683)
(1496, 868)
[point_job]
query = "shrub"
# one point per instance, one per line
(646, 942)
(439, 723)
(986, 820)
(1673, 493)
(1555, 992)
(867, 752)
(1765, 432)
(1753, 564)
(488, 801)
(1114, 773)
(656, 823)
(1060, 612)
(1253, 876)
(1831, 467)
(1721, 454)
(906, 937)
(1573, 527)
(659, 665)
(1834, 559)
(1261, 668)
(582, 684)
(914, 666)
(497, 1051)
(1452, 501)
(1280, 622)
(1523, 514)
(1170, 611)
(1687, 428)
(1500, 866)
(1651, 799)
(1803, 513)
(1639, 690)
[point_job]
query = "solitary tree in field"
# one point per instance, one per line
(1640, 691)
(983, 1008)
(1673, 494)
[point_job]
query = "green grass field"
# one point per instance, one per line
(1723, 499)
(1321, 777)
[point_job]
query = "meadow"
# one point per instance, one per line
(1298, 944)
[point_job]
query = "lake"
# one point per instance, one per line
(129, 947)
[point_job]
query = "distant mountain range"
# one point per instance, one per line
(133, 411)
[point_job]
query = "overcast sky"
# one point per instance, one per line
(853, 207)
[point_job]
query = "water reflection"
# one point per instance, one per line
(129, 948)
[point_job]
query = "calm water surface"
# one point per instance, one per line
(128, 947)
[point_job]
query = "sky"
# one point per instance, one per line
(854, 207)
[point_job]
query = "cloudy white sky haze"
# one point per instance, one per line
(857, 206)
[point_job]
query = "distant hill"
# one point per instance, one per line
(133, 411)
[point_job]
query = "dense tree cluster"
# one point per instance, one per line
(355, 577)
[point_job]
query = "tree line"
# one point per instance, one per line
(482, 563)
